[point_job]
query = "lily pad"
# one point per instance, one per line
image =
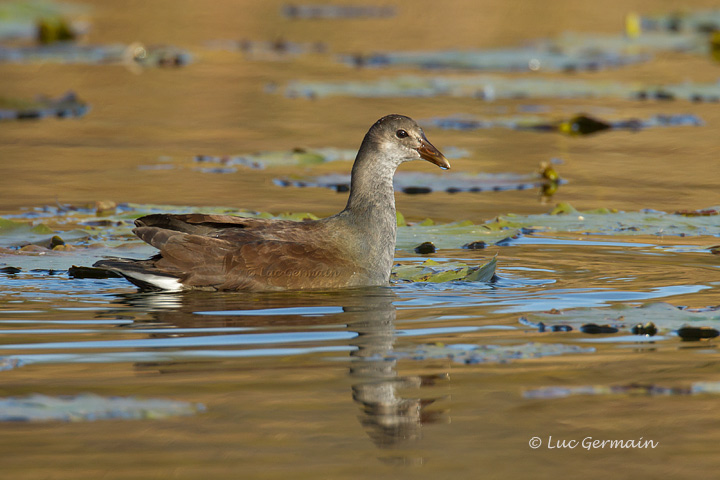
(283, 158)
(24, 19)
(89, 407)
(490, 87)
(541, 56)
(565, 218)
(435, 272)
(449, 235)
(580, 124)
(420, 182)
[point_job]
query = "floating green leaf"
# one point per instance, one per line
(565, 218)
(444, 272)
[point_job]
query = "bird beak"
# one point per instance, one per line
(428, 152)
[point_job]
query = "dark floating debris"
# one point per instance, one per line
(651, 320)
(57, 29)
(649, 329)
(594, 329)
(695, 334)
(91, 272)
(478, 245)
(425, 248)
(67, 106)
(543, 328)
(305, 12)
(278, 49)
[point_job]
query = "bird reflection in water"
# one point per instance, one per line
(390, 416)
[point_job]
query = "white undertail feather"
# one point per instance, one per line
(169, 284)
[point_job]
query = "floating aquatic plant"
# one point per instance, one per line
(580, 124)
(663, 317)
(420, 182)
(435, 272)
(569, 52)
(565, 218)
(490, 87)
(283, 158)
(698, 21)
(43, 21)
(68, 52)
(66, 106)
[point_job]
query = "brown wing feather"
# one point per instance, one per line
(233, 253)
(202, 224)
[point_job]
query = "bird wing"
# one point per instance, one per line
(203, 224)
(200, 261)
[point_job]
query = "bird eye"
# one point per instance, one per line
(401, 133)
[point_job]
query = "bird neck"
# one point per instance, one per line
(372, 197)
(371, 211)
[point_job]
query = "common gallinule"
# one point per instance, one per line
(351, 249)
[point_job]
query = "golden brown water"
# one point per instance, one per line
(300, 414)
